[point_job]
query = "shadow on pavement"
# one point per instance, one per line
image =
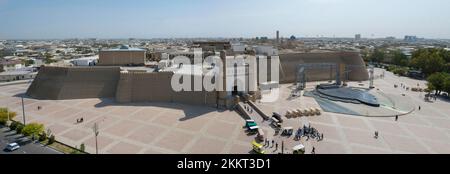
(190, 111)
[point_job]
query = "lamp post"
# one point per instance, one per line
(95, 129)
(7, 110)
(23, 112)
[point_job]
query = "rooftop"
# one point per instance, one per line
(125, 48)
(10, 62)
(13, 73)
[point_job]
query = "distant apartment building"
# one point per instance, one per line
(410, 38)
(123, 56)
(278, 37)
(358, 37)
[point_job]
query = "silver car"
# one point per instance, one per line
(12, 147)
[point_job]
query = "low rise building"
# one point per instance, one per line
(123, 56)
(85, 61)
(17, 75)
(10, 65)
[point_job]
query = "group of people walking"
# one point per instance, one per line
(268, 145)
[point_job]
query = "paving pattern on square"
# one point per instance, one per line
(171, 128)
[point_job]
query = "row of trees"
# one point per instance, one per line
(436, 64)
(380, 55)
(34, 130)
(5, 115)
(431, 60)
(48, 58)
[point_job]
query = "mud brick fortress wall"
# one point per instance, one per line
(59, 83)
(156, 87)
(121, 58)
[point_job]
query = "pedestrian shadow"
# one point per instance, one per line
(20, 136)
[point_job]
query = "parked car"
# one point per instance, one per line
(12, 147)
(250, 123)
(299, 149)
(287, 131)
(278, 117)
(258, 148)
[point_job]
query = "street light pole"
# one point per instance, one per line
(23, 112)
(7, 110)
(96, 134)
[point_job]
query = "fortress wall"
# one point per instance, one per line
(59, 83)
(99, 82)
(356, 74)
(290, 61)
(48, 82)
(124, 88)
(144, 87)
(118, 58)
(156, 87)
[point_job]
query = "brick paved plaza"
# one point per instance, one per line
(149, 128)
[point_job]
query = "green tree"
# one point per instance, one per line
(14, 125)
(446, 85)
(436, 81)
(19, 128)
(378, 55)
(430, 60)
(403, 71)
(48, 58)
(365, 55)
(51, 140)
(4, 112)
(447, 67)
(33, 129)
(400, 59)
(82, 147)
(43, 136)
(28, 62)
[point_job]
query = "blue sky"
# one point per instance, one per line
(45, 19)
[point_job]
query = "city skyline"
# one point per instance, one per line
(49, 19)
